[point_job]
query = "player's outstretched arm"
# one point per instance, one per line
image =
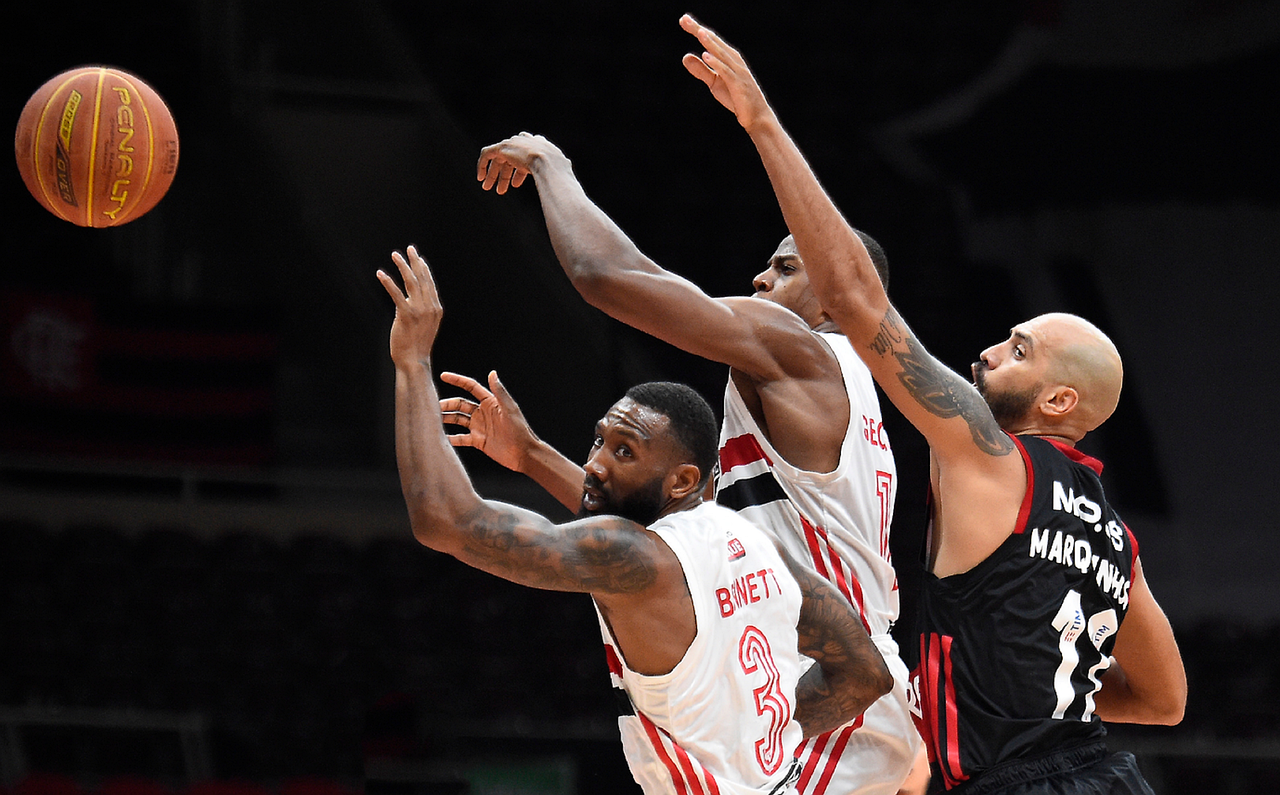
(849, 673)
(938, 401)
(604, 555)
(1146, 682)
(613, 275)
(494, 424)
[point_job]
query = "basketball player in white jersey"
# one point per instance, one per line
(703, 615)
(803, 452)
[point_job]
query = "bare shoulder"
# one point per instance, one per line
(783, 335)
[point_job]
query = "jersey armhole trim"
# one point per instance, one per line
(1024, 513)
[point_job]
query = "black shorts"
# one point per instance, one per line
(1084, 770)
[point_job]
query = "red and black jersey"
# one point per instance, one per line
(1010, 652)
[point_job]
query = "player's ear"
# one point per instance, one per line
(1060, 401)
(683, 481)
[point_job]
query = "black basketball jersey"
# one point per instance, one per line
(1010, 651)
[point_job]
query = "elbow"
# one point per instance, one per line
(423, 529)
(852, 308)
(591, 283)
(872, 683)
(1164, 708)
(1171, 710)
(1173, 717)
(1167, 705)
(422, 533)
(883, 680)
(431, 528)
(601, 287)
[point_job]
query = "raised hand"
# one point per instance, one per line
(493, 421)
(418, 309)
(507, 163)
(726, 74)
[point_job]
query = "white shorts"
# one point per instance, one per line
(873, 754)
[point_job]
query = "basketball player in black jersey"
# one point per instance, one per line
(1036, 621)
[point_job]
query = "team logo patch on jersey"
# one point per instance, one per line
(736, 550)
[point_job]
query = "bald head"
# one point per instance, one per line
(1084, 359)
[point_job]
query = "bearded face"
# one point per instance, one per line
(1008, 406)
(641, 505)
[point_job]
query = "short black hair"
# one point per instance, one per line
(691, 420)
(878, 257)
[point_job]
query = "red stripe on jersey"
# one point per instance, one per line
(655, 739)
(953, 716)
(1024, 513)
(942, 720)
(817, 540)
(815, 553)
(812, 757)
(739, 450)
(611, 657)
(929, 695)
(686, 764)
(858, 600)
(1134, 541)
(951, 767)
(1077, 456)
(833, 759)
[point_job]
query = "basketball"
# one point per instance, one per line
(96, 146)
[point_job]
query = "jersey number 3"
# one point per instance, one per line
(756, 657)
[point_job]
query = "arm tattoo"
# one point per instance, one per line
(595, 556)
(850, 673)
(936, 387)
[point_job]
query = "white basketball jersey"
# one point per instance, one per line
(837, 522)
(723, 720)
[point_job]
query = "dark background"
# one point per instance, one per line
(201, 513)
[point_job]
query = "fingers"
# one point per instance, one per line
(698, 69)
(503, 397)
(504, 178)
(458, 405)
(406, 273)
(495, 168)
(419, 285)
(423, 280)
(490, 171)
(501, 173)
(482, 165)
(457, 411)
(497, 387)
(391, 287)
(720, 57)
(707, 37)
(703, 34)
(465, 382)
(505, 165)
(489, 167)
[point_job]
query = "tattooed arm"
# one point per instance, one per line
(605, 555)
(941, 404)
(978, 483)
(849, 673)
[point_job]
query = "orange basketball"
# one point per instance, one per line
(96, 146)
